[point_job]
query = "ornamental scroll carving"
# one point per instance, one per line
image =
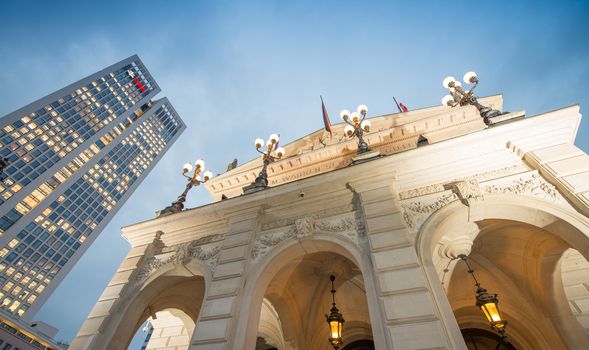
(182, 254)
(302, 228)
(175, 255)
(415, 212)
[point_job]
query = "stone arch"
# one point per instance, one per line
(173, 286)
(565, 224)
(263, 272)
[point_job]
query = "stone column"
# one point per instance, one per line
(98, 328)
(410, 314)
(217, 318)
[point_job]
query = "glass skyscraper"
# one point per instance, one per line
(72, 159)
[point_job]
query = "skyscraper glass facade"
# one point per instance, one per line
(73, 158)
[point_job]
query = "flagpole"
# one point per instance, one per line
(326, 122)
(400, 110)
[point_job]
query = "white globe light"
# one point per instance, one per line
(362, 109)
(457, 84)
(447, 99)
(447, 81)
(207, 175)
(469, 76)
(365, 125)
(200, 164)
(280, 152)
(345, 114)
(187, 167)
(198, 178)
(273, 138)
(259, 143)
(349, 130)
(354, 117)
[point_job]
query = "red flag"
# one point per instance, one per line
(403, 107)
(326, 121)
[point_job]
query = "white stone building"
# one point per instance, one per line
(253, 271)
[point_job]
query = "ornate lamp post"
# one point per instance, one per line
(335, 320)
(488, 303)
(460, 97)
(357, 126)
(193, 180)
(272, 153)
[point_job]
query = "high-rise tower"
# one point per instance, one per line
(71, 160)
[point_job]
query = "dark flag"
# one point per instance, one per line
(402, 108)
(326, 121)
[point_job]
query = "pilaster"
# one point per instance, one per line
(221, 305)
(408, 309)
(96, 324)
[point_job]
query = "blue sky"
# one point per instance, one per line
(239, 70)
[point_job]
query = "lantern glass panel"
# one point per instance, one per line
(334, 328)
(491, 312)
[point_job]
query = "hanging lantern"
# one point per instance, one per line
(335, 320)
(488, 304)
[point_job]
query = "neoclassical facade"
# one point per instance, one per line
(252, 271)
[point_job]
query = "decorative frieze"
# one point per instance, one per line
(417, 209)
(481, 177)
(305, 227)
(316, 215)
(530, 184)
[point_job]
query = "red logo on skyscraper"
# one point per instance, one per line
(139, 84)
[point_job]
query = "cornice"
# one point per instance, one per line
(498, 147)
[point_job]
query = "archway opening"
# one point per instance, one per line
(176, 297)
(478, 339)
(521, 263)
(165, 330)
(299, 295)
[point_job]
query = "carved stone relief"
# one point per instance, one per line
(205, 249)
(417, 209)
(439, 187)
(305, 227)
(317, 215)
(530, 183)
(469, 191)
